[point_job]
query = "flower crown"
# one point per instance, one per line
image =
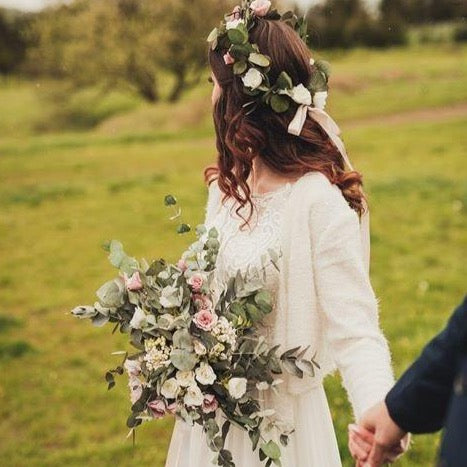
(253, 67)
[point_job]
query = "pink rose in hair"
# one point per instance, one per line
(228, 59)
(133, 282)
(157, 407)
(196, 282)
(205, 320)
(260, 7)
(210, 403)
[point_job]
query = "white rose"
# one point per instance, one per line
(133, 367)
(234, 23)
(253, 78)
(205, 374)
(237, 387)
(185, 378)
(170, 388)
(319, 99)
(166, 321)
(200, 348)
(139, 319)
(301, 95)
(193, 396)
(171, 296)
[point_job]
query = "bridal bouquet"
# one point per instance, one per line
(195, 357)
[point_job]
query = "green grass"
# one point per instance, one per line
(64, 194)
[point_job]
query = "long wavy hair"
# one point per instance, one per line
(263, 133)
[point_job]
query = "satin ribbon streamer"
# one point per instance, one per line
(333, 131)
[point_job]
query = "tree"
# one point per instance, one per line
(12, 41)
(129, 42)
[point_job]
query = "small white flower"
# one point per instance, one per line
(193, 395)
(319, 100)
(301, 95)
(170, 388)
(139, 319)
(253, 78)
(312, 61)
(234, 23)
(185, 378)
(205, 374)
(200, 348)
(237, 387)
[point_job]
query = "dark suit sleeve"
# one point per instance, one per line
(419, 401)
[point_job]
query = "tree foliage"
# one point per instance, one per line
(125, 42)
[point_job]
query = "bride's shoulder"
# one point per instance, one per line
(319, 190)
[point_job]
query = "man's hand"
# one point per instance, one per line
(377, 439)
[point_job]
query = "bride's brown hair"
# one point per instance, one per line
(263, 133)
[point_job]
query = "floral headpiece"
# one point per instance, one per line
(252, 66)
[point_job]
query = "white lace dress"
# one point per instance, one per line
(313, 443)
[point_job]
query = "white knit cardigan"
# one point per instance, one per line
(325, 298)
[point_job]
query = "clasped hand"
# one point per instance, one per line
(377, 440)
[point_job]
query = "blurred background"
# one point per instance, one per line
(105, 109)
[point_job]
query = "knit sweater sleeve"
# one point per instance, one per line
(347, 301)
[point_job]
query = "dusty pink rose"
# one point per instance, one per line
(202, 302)
(181, 264)
(157, 407)
(133, 282)
(196, 281)
(172, 408)
(210, 403)
(260, 7)
(228, 59)
(205, 320)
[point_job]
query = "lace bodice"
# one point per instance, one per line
(247, 249)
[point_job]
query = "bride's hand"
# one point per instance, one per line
(361, 443)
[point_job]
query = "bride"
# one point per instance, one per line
(285, 162)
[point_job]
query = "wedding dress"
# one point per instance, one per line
(313, 443)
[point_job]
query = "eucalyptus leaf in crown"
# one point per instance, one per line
(198, 354)
(253, 67)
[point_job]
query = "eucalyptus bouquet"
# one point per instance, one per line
(194, 357)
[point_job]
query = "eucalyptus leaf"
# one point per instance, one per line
(271, 449)
(259, 59)
(284, 81)
(183, 359)
(237, 36)
(111, 294)
(279, 103)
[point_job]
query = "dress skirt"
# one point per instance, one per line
(312, 444)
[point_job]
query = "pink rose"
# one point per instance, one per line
(196, 282)
(210, 403)
(157, 408)
(205, 320)
(260, 7)
(133, 282)
(202, 302)
(181, 264)
(172, 408)
(228, 59)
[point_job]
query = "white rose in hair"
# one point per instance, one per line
(237, 387)
(170, 388)
(234, 23)
(205, 374)
(253, 78)
(260, 7)
(193, 396)
(301, 95)
(319, 99)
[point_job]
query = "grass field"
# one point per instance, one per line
(63, 193)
